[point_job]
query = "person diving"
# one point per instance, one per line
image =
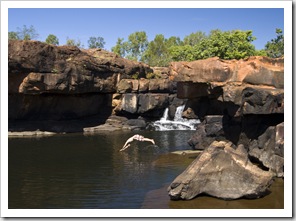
(136, 137)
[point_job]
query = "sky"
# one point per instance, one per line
(113, 23)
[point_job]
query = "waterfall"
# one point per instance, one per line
(179, 123)
(165, 115)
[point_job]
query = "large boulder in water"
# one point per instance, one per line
(222, 171)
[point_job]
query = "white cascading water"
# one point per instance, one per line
(179, 123)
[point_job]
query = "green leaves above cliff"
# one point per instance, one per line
(52, 39)
(24, 33)
(96, 42)
(158, 51)
(134, 47)
(235, 44)
(275, 47)
(225, 45)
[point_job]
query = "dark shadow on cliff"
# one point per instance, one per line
(57, 113)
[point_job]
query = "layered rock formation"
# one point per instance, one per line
(86, 88)
(241, 105)
(239, 101)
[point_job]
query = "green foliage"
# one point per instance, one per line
(275, 48)
(119, 48)
(72, 42)
(96, 42)
(158, 51)
(12, 35)
(135, 75)
(153, 75)
(182, 53)
(137, 44)
(260, 53)
(52, 39)
(24, 33)
(194, 38)
(155, 54)
(234, 44)
(134, 47)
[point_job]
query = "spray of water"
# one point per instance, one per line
(179, 123)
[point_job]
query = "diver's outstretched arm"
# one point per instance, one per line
(125, 147)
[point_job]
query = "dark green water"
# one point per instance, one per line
(82, 172)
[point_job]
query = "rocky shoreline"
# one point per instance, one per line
(64, 89)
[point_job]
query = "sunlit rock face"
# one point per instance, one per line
(224, 171)
(255, 70)
(241, 101)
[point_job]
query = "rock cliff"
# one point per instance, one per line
(62, 84)
(241, 101)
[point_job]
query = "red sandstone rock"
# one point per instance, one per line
(36, 68)
(254, 70)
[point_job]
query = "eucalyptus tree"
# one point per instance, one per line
(52, 39)
(134, 47)
(73, 42)
(275, 47)
(235, 44)
(96, 42)
(120, 47)
(194, 38)
(27, 33)
(12, 35)
(24, 33)
(158, 51)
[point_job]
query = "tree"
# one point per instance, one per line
(120, 47)
(260, 53)
(136, 45)
(133, 48)
(234, 44)
(182, 53)
(27, 33)
(275, 48)
(52, 39)
(94, 42)
(158, 51)
(72, 42)
(12, 35)
(194, 38)
(155, 51)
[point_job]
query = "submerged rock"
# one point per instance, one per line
(223, 172)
